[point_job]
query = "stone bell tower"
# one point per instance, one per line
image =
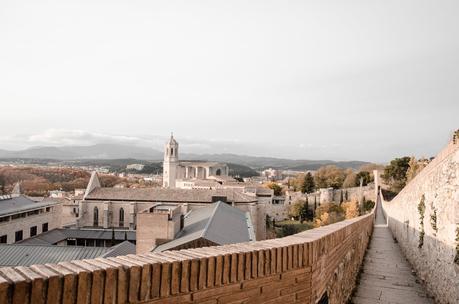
(170, 163)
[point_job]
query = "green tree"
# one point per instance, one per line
(329, 176)
(395, 173)
(350, 180)
(276, 188)
(299, 211)
(295, 209)
(308, 185)
(368, 205)
(365, 175)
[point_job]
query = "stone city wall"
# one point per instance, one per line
(343, 195)
(280, 212)
(424, 218)
(319, 263)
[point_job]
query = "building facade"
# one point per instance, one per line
(22, 218)
(118, 207)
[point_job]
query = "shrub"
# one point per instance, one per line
(433, 220)
(351, 209)
(287, 230)
(328, 214)
(456, 258)
(368, 205)
(422, 211)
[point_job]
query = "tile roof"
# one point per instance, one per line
(26, 255)
(16, 204)
(123, 248)
(169, 195)
(218, 223)
(57, 235)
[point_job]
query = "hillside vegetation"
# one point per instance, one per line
(37, 181)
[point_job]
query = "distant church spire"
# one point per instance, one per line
(170, 164)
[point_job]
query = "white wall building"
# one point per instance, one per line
(22, 218)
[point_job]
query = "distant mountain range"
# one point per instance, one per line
(117, 151)
(98, 151)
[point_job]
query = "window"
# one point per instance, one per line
(44, 227)
(219, 172)
(96, 217)
(33, 212)
(48, 209)
(33, 231)
(18, 236)
(4, 219)
(16, 216)
(3, 239)
(121, 217)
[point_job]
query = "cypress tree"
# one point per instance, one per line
(308, 183)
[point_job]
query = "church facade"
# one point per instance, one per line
(118, 207)
(175, 171)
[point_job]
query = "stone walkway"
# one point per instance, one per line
(387, 277)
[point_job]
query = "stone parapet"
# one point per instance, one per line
(305, 267)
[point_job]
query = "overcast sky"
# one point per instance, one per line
(365, 80)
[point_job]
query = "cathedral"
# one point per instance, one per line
(175, 171)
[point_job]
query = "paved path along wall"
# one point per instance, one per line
(424, 218)
(302, 268)
(386, 275)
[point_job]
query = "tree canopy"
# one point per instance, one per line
(329, 176)
(308, 185)
(395, 173)
(276, 188)
(365, 175)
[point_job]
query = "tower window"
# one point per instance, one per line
(172, 151)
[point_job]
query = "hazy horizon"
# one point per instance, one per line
(187, 146)
(361, 80)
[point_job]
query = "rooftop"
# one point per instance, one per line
(57, 235)
(21, 203)
(218, 223)
(26, 255)
(169, 195)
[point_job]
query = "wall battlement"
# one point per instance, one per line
(299, 268)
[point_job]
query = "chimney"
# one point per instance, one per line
(156, 225)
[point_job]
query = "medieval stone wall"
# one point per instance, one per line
(315, 264)
(280, 212)
(424, 218)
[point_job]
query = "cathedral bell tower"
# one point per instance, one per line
(170, 163)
